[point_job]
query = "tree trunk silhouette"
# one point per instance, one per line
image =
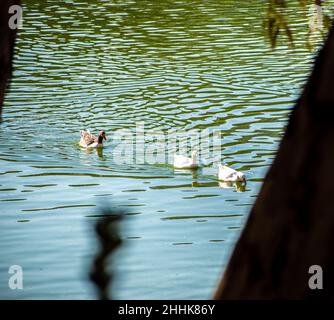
(291, 225)
(7, 40)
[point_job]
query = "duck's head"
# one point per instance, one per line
(102, 134)
(241, 177)
(194, 153)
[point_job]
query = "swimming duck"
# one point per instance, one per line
(90, 141)
(183, 162)
(228, 174)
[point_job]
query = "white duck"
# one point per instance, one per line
(230, 175)
(182, 162)
(90, 141)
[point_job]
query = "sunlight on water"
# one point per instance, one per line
(107, 65)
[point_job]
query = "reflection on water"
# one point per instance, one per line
(173, 65)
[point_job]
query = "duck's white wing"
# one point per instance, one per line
(181, 161)
(227, 174)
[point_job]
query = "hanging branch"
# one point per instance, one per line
(277, 23)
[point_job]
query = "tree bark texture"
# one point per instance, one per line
(291, 225)
(7, 40)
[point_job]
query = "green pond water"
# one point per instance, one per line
(180, 65)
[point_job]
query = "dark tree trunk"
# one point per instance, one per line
(291, 225)
(7, 39)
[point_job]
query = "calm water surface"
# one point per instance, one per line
(106, 65)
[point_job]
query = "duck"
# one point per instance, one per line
(90, 141)
(228, 174)
(183, 162)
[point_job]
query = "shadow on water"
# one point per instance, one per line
(107, 232)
